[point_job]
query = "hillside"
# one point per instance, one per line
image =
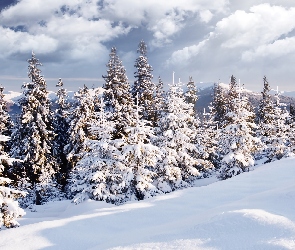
(254, 210)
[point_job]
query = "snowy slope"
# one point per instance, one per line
(254, 210)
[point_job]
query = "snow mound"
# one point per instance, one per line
(254, 210)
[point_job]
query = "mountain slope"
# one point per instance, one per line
(254, 210)
(205, 93)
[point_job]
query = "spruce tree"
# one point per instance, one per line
(100, 174)
(191, 92)
(265, 107)
(6, 123)
(117, 95)
(116, 170)
(176, 132)
(141, 156)
(78, 130)
(61, 127)
(207, 138)
(32, 140)
(273, 126)
(237, 143)
(5, 120)
(218, 104)
(231, 104)
(292, 112)
(159, 99)
(143, 87)
(277, 141)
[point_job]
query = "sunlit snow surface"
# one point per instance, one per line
(254, 210)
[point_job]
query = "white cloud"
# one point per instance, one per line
(247, 43)
(76, 25)
(257, 33)
(272, 51)
(164, 18)
(71, 27)
(12, 42)
(183, 56)
(263, 24)
(206, 16)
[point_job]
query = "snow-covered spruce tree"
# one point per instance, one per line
(191, 92)
(207, 137)
(101, 174)
(176, 132)
(32, 141)
(144, 88)
(266, 106)
(237, 144)
(218, 104)
(231, 100)
(61, 127)
(5, 120)
(116, 170)
(291, 131)
(141, 156)
(117, 95)
(159, 99)
(9, 208)
(273, 128)
(278, 139)
(6, 123)
(78, 131)
(292, 112)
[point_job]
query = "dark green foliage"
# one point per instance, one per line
(32, 138)
(117, 95)
(143, 88)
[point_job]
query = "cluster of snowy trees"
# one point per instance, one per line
(131, 142)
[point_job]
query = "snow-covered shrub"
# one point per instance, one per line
(9, 207)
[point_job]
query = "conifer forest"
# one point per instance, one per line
(131, 141)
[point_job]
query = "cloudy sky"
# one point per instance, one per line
(208, 40)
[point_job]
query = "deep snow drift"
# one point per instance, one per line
(254, 210)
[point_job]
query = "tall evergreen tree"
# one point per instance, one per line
(5, 120)
(116, 170)
(100, 174)
(237, 144)
(218, 104)
(266, 106)
(191, 92)
(176, 133)
(232, 98)
(6, 123)
(159, 99)
(32, 139)
(207, 138)
(117, 95)
(143, 87)
(78, 130)
(61, 127)
(292, 112)
(272, 125)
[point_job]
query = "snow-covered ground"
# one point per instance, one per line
(254, 210)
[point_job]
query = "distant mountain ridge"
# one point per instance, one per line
(12, 98)
(205, 93)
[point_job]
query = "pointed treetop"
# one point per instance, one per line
(60, 83)
(113, 50)
(142, 48)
